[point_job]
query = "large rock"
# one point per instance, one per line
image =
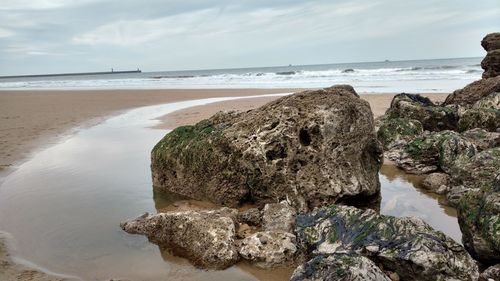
(416, 107)
(482, 139)
(479, 219)
(407, 246)
(269, 249)
(492, 273)
(313, 147)
(206, 238)
(491, 62)
(434, 151)
(437, 182)
(473, 92)
(491, 101)
(278, 217)
(341, 267)
(487, 119)
(393, 131)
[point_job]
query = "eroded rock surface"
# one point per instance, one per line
(313, 147)
(269, 249)
(395, 133)
(437, 183)
(416, 107)
(482, 139)
(473, 92)
(278, 217)
(492, 273)
(434, 151)
(491, 62)
(345, 267)
(206, 238)
(479, 219)
(407, 246)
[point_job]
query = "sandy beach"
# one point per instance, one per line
(31, 120)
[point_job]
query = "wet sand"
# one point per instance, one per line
(34, 119)
(30, 120)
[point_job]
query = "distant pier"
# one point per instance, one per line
(70, 74)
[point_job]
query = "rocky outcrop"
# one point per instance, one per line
(488, 119)
(437, 183)
(278, 217)
(435, 151)
(269, 249)
(407, 246)
(473, 92)
(482, 139)
(313, 147)
(491, 62)
(479, 219)
(416, 107)
(492, 273)
(345, 267)
(206, 238)
(396, 131)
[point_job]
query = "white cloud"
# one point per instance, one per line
(38, 4)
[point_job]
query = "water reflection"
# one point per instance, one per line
(402, 195)
(64, 205)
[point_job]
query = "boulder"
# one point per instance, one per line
(491, 41)
(436, 182)
(434, 151)
(491, 62)
(407, 246)
(487, 119)
(417, 107)
(269, 249)
(313, 147)
(469, 175)
(394, 131)
(206, 238)
(478, 214)
(473, 92)
(278, 217)
(250, 216)
(491, 101)
(482, 139)
(345, 267)
(492, 273)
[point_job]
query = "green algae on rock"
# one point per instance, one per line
(416, 107)
(479, 220)
(313, 147)
(407, 246)
(396, 129)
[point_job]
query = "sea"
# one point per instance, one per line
(418, 76)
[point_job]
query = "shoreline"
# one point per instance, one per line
(89, 116)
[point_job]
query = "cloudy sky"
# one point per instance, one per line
(46, 36)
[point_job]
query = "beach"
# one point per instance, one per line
(39, 119)
(33, 119)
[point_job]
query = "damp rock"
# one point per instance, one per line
(278, 217)
(399, 245)
(206, 238)
(251, 216)
(345, 267)
(269, 249)
(417, 107)
(437, 182)
(314, 147)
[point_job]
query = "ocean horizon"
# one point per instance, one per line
(424, 76)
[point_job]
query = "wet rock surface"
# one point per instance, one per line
(482, 139)
(492, 273)
(416, 107)
(314, 147)
(407, 246)
(346, 267)
(269, 249)
(278, 217)
(206, 238)
(479, 220)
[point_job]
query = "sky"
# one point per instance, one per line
(52, 36)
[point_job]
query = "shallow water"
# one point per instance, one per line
(64, 205)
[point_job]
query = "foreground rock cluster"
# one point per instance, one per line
(317, 153)
(457, 145)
